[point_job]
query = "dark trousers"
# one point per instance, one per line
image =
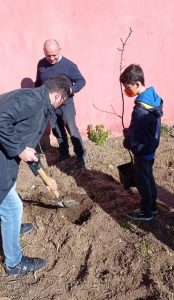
(145, 183)
(66, 123)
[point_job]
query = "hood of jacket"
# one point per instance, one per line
(150, 97)
(150, 101)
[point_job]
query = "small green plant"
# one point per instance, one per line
(98, 134)
(166, 129)
(146, 252)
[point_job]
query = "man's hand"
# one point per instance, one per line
(28, 154)
(125, 131)
(53, 184)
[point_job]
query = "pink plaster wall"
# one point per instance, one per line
(89, 33)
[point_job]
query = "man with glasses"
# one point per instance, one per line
(24, 114)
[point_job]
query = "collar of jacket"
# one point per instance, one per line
(146, 105)
(45, 95)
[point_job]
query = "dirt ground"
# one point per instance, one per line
(92, 250)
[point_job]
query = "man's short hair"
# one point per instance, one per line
(58, 83)
(132, 74)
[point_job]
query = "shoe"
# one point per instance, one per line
(63, 157)
(138, 215)
(26, 228)
(82, 160)
(26, 265)
(155, 212)
(154, 209)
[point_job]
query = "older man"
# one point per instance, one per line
(23, 117)
(51, 65)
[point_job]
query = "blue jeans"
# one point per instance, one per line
(11, 209)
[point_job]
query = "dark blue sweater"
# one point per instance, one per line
(64, 66)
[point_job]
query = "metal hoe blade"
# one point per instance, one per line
(66, 203)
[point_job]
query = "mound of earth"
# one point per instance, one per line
(92, 250)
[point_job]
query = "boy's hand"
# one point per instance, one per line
(125, 131)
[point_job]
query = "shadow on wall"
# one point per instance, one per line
(27, 83)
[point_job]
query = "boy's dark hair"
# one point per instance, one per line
(132, 74)
(58, 83)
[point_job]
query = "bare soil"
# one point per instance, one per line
(92, 250)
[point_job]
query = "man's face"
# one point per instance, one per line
(57, 99)
(52, 54)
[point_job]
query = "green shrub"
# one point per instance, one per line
(166, 129)
(98, 134)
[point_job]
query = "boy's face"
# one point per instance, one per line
(131, 90)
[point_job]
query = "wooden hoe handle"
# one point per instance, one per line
(47, 181)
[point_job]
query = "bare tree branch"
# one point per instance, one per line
(108, 112)
(121, 68)
(122, 49)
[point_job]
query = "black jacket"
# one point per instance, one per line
(143, 134)
(23, 117)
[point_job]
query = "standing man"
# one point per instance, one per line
(52, 65)
(24, 114)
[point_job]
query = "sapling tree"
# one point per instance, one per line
(121, 67)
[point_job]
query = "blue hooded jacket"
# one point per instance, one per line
(143, 135)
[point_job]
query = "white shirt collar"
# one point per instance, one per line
(59, 58)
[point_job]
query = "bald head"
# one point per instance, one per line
(51, 51)
(51, 43)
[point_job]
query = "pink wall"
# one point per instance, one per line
(89, 34)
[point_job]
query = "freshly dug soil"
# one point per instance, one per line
(92, 250)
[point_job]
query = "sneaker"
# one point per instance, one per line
(138, 215)
(26, 228)
(26, 265)
(63, 157)
(155, 212)
(154, 208)
(82, 160)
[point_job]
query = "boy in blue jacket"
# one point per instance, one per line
(142, 138)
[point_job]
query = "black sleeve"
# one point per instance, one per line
(17, 110)
(136, 131)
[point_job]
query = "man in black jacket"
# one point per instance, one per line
(52, 65)
(24, 114)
